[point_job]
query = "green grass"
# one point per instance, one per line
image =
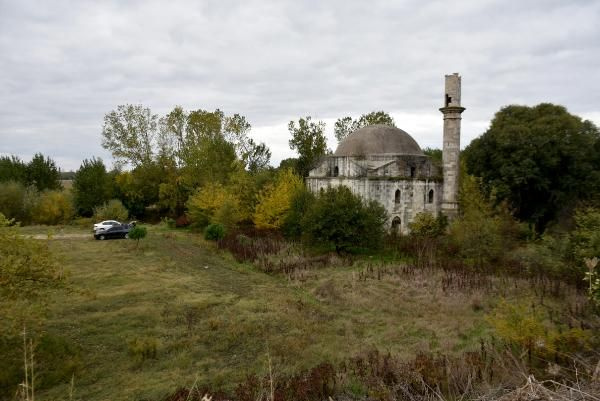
(216, 320)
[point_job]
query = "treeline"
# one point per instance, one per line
(191, 167)
(32, 192)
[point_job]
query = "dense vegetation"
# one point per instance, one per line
(542, 160)
(269, 274)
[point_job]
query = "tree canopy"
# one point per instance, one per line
(43, 173)
(308, 139)
(346, 125)
(130, 133)
(539, 159)
(92, 186)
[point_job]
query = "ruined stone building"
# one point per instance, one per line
(386, 164)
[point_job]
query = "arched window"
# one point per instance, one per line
(412, 172)
(336, 171)
(397, 196)
(430, 196)
(396, 222)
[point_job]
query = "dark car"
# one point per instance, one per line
(117, 231)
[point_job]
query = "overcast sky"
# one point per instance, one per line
(65, 64)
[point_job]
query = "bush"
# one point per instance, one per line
(169, 222)
(138, 233)
(83, 222)
(300, 204)
(17, 201)
(142, 348)
(214, 232)
(111, 210)
(182, 221)
(53, 207)
(341, 219)
(56, 361)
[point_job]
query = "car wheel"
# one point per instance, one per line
(102, 238)
(126, 236)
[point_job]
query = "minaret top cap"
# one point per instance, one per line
(452, 93)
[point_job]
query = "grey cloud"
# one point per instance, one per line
(65, 64)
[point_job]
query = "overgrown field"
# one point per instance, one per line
(177, 311)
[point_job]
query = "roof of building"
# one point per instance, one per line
(378, 139)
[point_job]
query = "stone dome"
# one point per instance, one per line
(378, 139)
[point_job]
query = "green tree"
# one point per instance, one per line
(343, 220)
(207, 156)
(540, 159)
(585, 238)
(128, 191)
(291, 162)
(12, 169)
(92, 186)
(171, 135)
(210, 159)
(256, 156)
(300, 204)
(130, 132)
(308, 139)
(346, 125)
(17, 201)
(43, 173)
(137, 233)
(483, 233)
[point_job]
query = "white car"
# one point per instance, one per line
(106, 224)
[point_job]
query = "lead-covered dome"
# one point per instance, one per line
(378, 139)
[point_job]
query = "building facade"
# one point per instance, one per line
(386, 164)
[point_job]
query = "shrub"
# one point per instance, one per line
(142, 348)
(214, 232)
(83, 222)
(182, 221)
(169, 222)
(113, 209)
(17, 201)
(53, 207)
(300, 204)
(137, 233)
(341, 219)
(425, 230)
(56, 361)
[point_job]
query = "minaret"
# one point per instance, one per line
(451, 147)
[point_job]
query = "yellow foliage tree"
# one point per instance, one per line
(54, 207)
(214, 203)
(274, 200)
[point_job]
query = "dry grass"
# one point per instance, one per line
(208, 317)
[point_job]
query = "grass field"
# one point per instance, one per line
(177, 311)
